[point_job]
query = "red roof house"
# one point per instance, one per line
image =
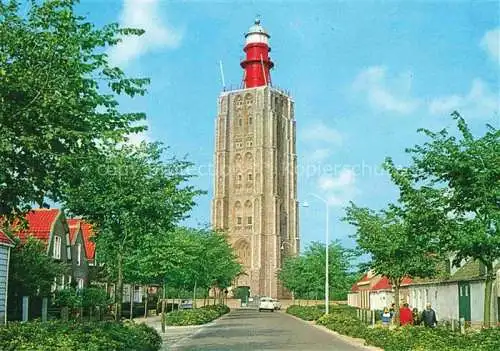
(40, 224)
(376, 291)
(79, 225)
(5, 240)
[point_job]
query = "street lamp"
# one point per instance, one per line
(327, 240)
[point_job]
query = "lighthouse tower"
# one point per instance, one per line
(255, 182)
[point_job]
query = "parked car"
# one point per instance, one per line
(186, 305)
(266, 303)
(277, 304)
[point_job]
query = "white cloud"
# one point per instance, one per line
(491, 44)
(142, 14)
(339, 190)
(137, 138)
(320, 132)
(480, 101)
(385, 94)
(320, 154)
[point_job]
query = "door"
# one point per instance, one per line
(464, 301)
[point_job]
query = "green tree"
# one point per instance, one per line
(397, 247)
(31, 270)
(461, 176)
(305, 274)
(131, 197)
(57, 98)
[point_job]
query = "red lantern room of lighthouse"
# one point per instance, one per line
(257, 63)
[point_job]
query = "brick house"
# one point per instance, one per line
(5, 245)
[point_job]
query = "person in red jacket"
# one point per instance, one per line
(405, 315)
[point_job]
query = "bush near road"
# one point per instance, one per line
(196, 316)
(343, 320)
(89, 336)
(308, 313)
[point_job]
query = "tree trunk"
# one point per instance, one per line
(119, 287)
(146, 303)
(488, 287)
(194, 295)
(396, 284)
(132, 290)
(163, 307)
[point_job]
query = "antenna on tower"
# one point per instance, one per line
(222, 75)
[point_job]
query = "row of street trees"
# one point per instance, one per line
(304, 275)
(64, 139)
(448, 206)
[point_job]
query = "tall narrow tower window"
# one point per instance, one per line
(249, 220)
(238, 220)
(250, 177)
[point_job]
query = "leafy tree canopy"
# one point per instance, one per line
(57, 98)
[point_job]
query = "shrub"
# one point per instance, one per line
(221, 309)
(58, 335)
(412, 338)
(196, 316)
(308, 313)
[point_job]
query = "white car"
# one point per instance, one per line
(266, 303)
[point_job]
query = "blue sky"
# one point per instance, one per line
(364, 76)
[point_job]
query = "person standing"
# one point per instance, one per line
(429, 316)
(405, 315)
(416, 317)
(386, 317)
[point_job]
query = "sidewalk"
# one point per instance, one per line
(173, 335)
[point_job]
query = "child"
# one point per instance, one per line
(386, 317)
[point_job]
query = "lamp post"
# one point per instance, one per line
(327, 241)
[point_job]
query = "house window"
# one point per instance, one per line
(250, 178)
(137, 294)
(238, 220)
(240, 177)
(68, 247)
(80, 283)
(249, 220)
(249, 120)
(57, 247)
(240, 122)
(79, 254)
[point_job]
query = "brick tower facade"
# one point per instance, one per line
(255, 183)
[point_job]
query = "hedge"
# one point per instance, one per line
(196, 316)
(91, 336)
(343, 319)
(308, 313)
(412, 338)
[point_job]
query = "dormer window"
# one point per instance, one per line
(56, 253)
(79, 254)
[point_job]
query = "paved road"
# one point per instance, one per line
(246, 329)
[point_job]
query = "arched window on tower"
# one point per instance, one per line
(238, 215)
